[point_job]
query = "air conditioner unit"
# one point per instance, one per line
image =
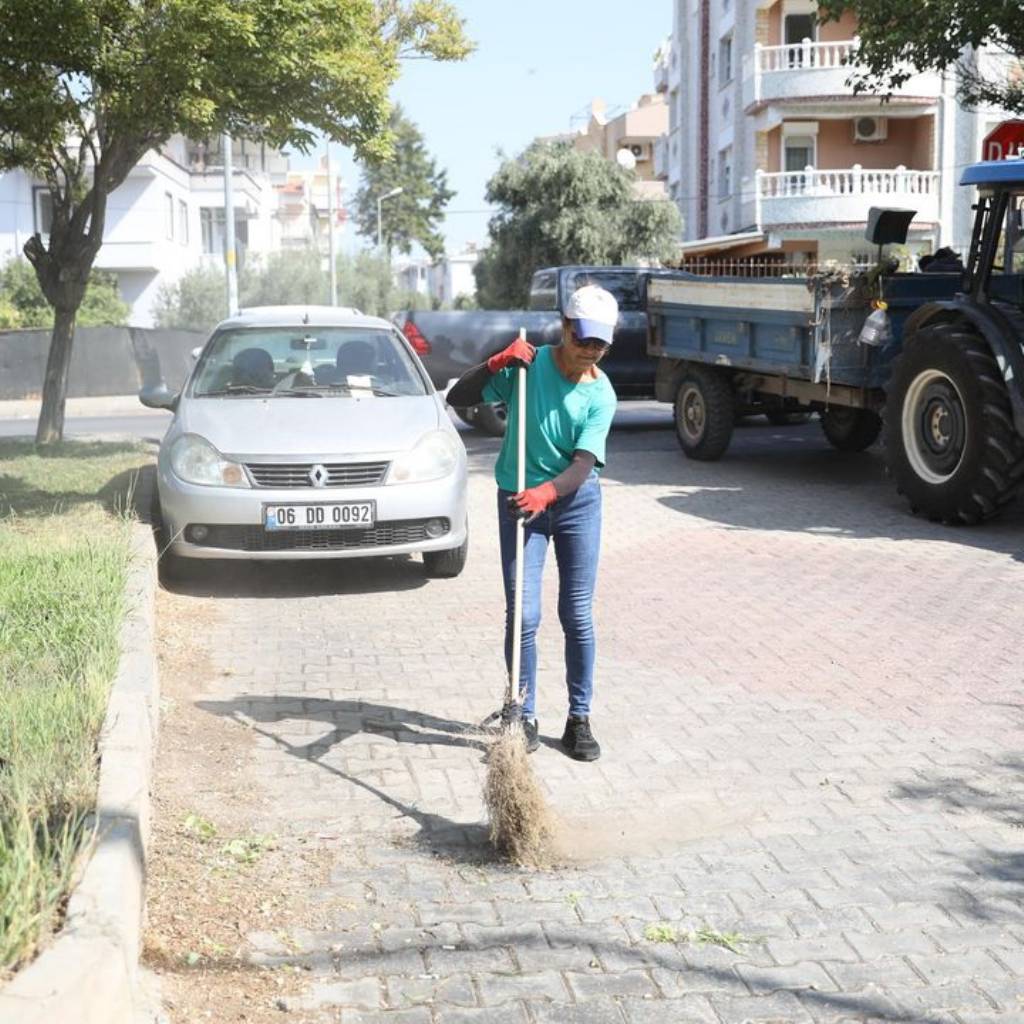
(870, 129)
(638, 151)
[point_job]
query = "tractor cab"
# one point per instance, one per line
(995, 265)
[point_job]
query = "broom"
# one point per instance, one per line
(520, 823)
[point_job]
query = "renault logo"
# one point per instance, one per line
(318, 475)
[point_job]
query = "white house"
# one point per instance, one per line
(452, 276)
(165, 218)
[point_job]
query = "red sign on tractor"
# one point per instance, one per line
(1004, 142)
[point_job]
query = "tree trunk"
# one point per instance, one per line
(50, 428)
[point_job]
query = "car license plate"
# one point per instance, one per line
(357, 515)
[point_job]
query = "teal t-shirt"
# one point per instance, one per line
(561, 418)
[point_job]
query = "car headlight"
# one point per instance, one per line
(435, 455)
(196, 461)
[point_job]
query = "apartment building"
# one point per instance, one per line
(635, 130)
(165, 218)
(770, 153)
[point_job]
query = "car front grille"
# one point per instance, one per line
(257, 539)
(335, 474)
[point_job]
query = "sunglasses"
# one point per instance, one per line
(592, 343)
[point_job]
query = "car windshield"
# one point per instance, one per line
(306, 362)
(623, 285)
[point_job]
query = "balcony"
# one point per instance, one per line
(808, 69)
(840, 196)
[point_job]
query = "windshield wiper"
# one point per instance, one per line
(299, 392)
(235, 389)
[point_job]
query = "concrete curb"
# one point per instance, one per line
(89, 974)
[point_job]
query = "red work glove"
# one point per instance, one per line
(530, 503)
(519, 353)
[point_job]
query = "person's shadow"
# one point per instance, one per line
(441, 835)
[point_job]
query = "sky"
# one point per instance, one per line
(537, 66)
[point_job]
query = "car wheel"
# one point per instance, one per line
(491, 419)
(446, 564)
(170, 568)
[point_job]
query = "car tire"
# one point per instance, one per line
(491, 419)
(446, 565)
(468, 416)
(170, 568)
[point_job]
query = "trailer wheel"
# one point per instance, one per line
(705, 412)
(950, 441)
(850, 430)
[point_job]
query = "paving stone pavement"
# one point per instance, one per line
(811, 800)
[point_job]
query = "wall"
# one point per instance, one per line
(838, 31)
(104, 360)
(907, 144)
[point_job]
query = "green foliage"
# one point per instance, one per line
(88, 86)
(414, 215)
(197, 301)
(63, 563)
(22, 303)
(896, 42)
(560, 206)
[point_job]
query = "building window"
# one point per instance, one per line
(799, 152)
(725, 173)
(212, 228)
(169, 214)
(42, 210)
(725, 60)
(183, 222)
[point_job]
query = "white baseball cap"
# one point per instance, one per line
(595, 311)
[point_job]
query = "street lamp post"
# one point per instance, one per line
(380, 199)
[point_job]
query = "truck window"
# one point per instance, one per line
(623, 284)
(543, 294)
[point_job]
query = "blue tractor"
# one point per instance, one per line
(954, 406)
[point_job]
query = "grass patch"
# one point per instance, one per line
(64, 551)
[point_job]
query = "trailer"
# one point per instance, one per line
(938, 358)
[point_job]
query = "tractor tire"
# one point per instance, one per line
(704, 413)
(951, 445)
(850, 430)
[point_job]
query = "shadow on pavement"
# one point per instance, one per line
(440, 835)
(201, 577)
(996, 792)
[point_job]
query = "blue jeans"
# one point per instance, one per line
(574, 523)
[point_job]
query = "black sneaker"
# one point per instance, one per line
(532, 732)
(578, 740)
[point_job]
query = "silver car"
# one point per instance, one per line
(310, 432)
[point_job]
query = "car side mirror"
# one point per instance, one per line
(197, 352)
(159, 397)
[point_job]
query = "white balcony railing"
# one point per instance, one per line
(840, 195)
(811, 68)
(804, 55)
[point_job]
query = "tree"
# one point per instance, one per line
(898, 40)
(557, 206)
(414, 215)
(25, 305)
(88, 86)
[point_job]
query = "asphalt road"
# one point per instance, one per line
(147, 425)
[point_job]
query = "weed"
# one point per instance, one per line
(661, 932)
(200, 827)
(727, 940)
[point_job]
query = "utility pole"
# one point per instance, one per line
(229, 227)
(330, 230)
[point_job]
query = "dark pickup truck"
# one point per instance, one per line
(449, 343)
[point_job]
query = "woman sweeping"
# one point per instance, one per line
(570, 405)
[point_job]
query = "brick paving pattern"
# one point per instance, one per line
(811, 800)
